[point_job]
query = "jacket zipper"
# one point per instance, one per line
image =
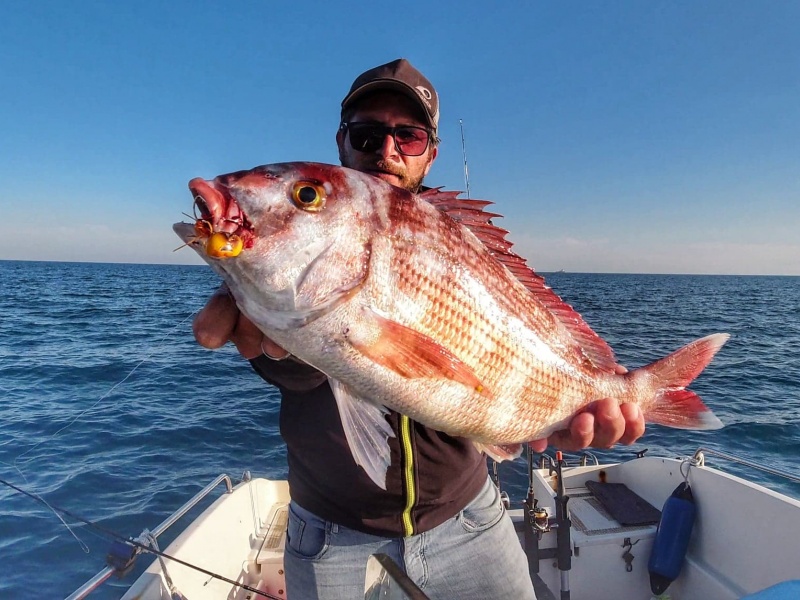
(408, 474)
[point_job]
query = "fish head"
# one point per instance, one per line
(291, 240)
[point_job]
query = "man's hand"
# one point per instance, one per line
(601, 424)
(220, 321)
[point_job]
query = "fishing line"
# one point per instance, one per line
(109, 392)
(16, 465)
(110, 533)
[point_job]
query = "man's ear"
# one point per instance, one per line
(434, 154)
(340, 133)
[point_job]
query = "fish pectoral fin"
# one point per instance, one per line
(500, 452)
(409, 353)
(367, 432)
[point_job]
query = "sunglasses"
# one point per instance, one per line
(368, 137)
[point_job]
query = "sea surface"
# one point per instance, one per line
(108, 408)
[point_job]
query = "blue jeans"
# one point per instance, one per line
(474, 555)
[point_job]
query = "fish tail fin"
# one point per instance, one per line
(676, 406)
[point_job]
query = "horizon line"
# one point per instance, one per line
(542, 272)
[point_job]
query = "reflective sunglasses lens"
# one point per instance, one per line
(366, 138)
(411, 140)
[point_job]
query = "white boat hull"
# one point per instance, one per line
(240, 536)
(745, 539)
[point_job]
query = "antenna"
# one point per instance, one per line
(464, 151)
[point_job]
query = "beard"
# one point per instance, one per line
(406, 181)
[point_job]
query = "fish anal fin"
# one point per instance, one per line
(411, 354)
(500, 452)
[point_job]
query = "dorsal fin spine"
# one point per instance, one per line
(470, 213)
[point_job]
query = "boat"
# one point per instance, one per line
(619, 531)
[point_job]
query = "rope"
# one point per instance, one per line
(153, 543)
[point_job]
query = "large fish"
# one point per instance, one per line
(417, 303)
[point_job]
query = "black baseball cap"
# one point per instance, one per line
(397, 76)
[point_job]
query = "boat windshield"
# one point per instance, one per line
(385, 580)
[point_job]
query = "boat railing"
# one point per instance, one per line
(546, 461)
(96, 581)
(699, 460)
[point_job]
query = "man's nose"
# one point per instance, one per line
(388, 147)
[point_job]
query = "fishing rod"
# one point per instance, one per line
(538, 522)
(531, 535)
(116, 553)
(464, 152)
(564, 524)
(117, 557)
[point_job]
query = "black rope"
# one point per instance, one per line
(116, 536)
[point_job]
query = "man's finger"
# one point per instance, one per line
(634, 423)
(215, 322)
(609, 424)
(578, 436)
(248, 338)
(538, 445)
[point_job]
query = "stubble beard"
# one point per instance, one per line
(407, 183)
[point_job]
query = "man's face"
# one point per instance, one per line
(386, 108)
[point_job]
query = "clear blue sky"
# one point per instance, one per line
(634, 136)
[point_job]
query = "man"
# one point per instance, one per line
(440, 517)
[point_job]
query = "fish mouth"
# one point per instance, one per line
(221, 227)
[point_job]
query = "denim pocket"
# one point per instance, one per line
(484, 511)
(306, 534)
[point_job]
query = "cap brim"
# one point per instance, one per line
(392, 86)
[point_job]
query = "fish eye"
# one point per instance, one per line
(308, 195)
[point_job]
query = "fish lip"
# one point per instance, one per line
(219, 211)
(207, 199)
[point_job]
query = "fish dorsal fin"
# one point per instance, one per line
(472, 215)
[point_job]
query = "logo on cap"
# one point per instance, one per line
(426, 93)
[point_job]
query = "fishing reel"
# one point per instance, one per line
(540, 519)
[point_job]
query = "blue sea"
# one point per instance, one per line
(111, 410)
